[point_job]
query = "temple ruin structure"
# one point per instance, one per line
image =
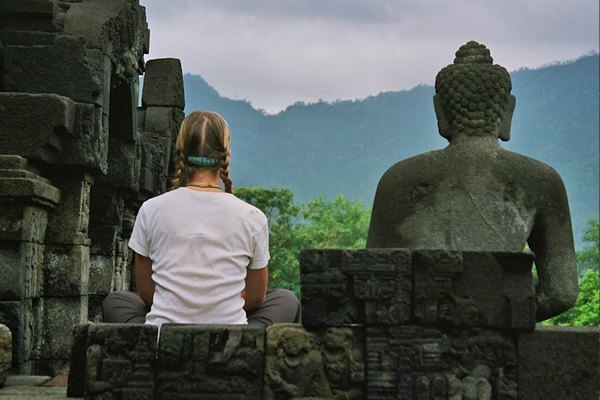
(77, 158)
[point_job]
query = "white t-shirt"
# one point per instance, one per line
(200, 245)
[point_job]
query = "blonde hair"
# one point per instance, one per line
(202, 133)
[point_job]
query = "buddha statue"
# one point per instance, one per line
(474, 195)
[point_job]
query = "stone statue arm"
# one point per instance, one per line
(552, 242)
(383, 222)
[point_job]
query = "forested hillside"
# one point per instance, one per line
(345, 146)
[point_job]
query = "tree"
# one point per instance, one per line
(320, 223)
(339, 223)
(589, 257)
(586, 311)
(285, 240)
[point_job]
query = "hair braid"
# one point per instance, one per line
(180, 174)
(224, 173)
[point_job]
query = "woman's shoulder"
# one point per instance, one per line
(248, 209)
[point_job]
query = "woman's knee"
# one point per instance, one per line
(123, 306)
(289, 302)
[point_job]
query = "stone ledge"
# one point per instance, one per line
(426, 287)
(288, 361)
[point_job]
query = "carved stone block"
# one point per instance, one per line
(559, 363)
(13, 14)
(5, 353)
(106, 208)
(324, 363)
(355, 287)
(22, 318)
(53, 129)
(66, 270)
(21, 185)
(21, 266)
(77, 361)
(58, 68)
(480, 289)
(123, 166)
(23, 223)
(163, 84)
(120, 361)
(61, 314)
(210, 361)
(68, 224)
(422, 363)
(101, 274)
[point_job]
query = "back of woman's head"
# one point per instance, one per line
(202, 143)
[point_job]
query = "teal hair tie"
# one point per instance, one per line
(202, 161)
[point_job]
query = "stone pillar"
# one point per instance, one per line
(26, 200)
(66, 269)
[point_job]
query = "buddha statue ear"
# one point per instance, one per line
(442, 122)
(504, 126)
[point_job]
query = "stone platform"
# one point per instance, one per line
(377, 324)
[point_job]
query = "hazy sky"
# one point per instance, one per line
(276, 52)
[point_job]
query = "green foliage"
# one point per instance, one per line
(586, 311)
(319, 223)
(339, 223)
(589, 256)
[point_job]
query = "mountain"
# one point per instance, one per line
(345, 146)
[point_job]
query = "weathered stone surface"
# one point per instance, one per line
(474, 195)
(21, 265)
(61, 68)
(354, 287)
(95, 307)
(69, 222)
(163, 84)
(325, 363)
(559, 363)
(26, 38)
(102, 269)
(66, 270)
(416, 362)
(5, 353)
(156, 156)
(210, 361)
(20, 318)
(54, 129)
(77, 361)
(118, 28)
(22, 223)
(123, 166)
(106, 207)
(474, 289)
(61, 314)
(27, 15)
(120, 360)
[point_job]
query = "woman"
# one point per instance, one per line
(200, 252)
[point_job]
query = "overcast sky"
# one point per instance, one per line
(274, 53)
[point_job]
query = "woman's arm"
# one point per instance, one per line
(256, 288)
(143, 278)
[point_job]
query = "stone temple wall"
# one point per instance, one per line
(77, 158)
(377, 324)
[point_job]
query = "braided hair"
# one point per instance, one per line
(473, 92)
(205, 134)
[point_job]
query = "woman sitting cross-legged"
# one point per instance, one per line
(201, 253)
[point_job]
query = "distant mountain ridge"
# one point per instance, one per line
(345, 146)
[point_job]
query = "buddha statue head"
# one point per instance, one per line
(473, 95)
